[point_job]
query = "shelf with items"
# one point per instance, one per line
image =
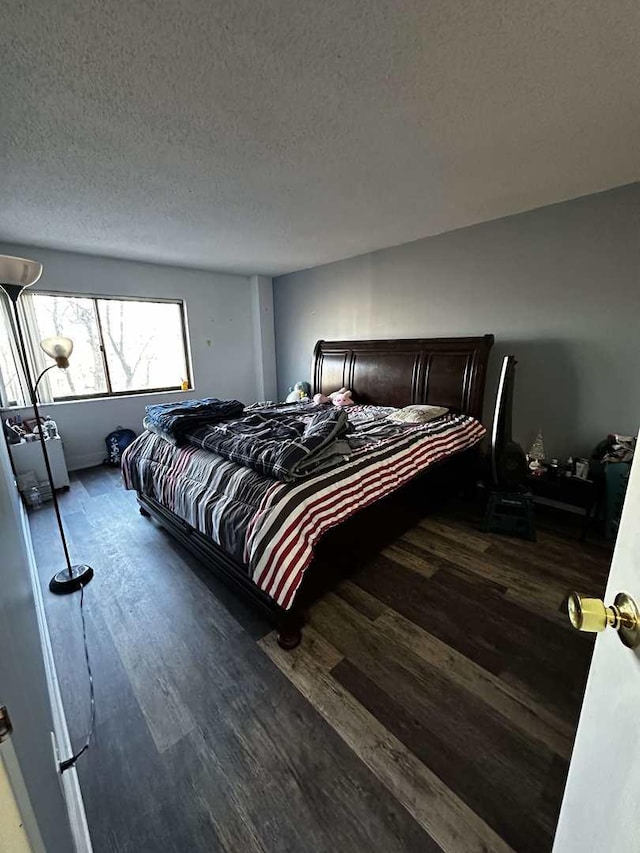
(570, 492)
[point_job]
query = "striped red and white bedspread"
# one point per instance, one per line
(271, 526)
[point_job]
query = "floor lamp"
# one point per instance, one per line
(16, 274)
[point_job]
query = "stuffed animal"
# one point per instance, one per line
(299, 393)
(341, 398)
(338, 398)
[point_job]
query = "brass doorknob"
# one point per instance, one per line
(592, 614)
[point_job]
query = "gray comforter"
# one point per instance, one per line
(280, 443)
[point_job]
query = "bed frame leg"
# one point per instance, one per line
(143, 512)
(290, 631)
(289, 638)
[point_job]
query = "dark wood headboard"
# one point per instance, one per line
(439, 371)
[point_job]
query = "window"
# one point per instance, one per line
(10, 371)
(120, 346)
(74, 318)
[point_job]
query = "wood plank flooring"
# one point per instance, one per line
(431, 706)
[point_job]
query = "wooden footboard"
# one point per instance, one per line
(234, 574)
(342, 551)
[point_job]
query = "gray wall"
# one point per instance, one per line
(558, 286)
(23, 682)
(219, 316)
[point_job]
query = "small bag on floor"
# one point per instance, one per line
(117, 442)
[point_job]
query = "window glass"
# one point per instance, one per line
(10, 388)
(143, 343)
(119, 346)
(74, 318)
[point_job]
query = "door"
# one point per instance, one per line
(601, 805)
(27, 757)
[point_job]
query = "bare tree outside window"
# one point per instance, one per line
(120, 345)
(143, 342)
(75, 318)
(10, 388)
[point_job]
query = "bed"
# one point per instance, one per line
(297, 538)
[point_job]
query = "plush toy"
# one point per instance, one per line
(338, 398)
(299, 393)
(341, 398)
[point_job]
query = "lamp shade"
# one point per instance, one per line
(19, 272)
(58, 349)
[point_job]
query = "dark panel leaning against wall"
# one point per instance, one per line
(558, 286)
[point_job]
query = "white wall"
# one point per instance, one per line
(559, 287)
(30, 762)
(264, 337)
(221, 330)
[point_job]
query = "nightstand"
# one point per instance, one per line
(570, 491)
(27, 456)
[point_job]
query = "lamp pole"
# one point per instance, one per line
(74, 576)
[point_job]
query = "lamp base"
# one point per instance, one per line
(63, 583)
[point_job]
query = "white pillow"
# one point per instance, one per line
(418, 414)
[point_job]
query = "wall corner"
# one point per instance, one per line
(264, 336)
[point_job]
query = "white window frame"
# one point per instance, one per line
(37, 360)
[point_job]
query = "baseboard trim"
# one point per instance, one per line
(69, 780)
(89, 460)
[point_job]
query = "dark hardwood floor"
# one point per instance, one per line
(431, 706)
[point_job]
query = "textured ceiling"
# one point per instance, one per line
(258, 136)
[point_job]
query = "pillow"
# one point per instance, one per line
(418, 414)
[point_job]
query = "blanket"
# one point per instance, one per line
(172, 420)
(271, 526)
(278, 443)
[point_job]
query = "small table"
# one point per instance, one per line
(571, 491)
(28, 457)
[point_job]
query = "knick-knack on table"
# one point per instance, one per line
(536, 454)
